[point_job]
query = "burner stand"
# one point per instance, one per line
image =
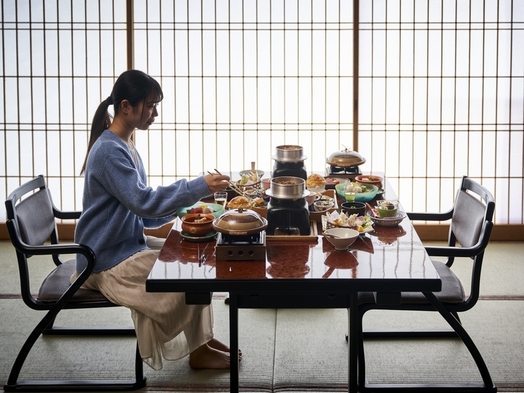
(288, 213)
(296, 169)
(241, 248)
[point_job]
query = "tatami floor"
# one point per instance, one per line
(288, 350)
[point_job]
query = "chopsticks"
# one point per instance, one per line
(371, 210)
(202, 257)
(233, 186)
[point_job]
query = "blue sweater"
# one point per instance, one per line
(118, 204)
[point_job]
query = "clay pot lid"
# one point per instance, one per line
(240, 222)
(345, 158)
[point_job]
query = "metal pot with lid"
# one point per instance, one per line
(345, 158)
(240, 222)
(287, 187)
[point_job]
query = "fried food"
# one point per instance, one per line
(238, 201)
(315, 180)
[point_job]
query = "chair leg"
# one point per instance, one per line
(361, 358)
(466, 339)
(13, 384)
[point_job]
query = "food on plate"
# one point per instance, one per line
(324, 203)
(201, 209)
(370, 179)
(387, 209)
(359, 223)
(335, 181)
(314, 181)
(258, 202)
(356, 187)
(247, 180)
(238, 202)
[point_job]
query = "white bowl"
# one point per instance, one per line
(341, 238)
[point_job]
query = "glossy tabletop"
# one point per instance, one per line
(386, 259)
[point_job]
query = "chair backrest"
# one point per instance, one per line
(30, 212)
(471, 226)
(474, 206)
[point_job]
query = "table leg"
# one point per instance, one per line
(233, 342)
(353, 342)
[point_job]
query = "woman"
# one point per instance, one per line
(117, 206)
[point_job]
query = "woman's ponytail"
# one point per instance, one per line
(101, 121)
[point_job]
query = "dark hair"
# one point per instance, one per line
(134, 86)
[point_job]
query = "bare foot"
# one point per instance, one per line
(205, 357)
(214, 343)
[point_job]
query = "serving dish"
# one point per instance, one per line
(371, 192)
(362, 224)
(205, 238)
(370, 179)
(197, 224)
(389, 221)
(218, 210)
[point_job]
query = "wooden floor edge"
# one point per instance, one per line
(426, 232)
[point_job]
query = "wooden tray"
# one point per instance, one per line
(312, 237)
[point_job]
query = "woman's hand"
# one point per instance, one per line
(216, 182)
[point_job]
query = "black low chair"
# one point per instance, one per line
(31, 222)
(470, 230)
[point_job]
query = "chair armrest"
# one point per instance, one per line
(476, 249)
(50, 249)
(414, 216)
(71, 215)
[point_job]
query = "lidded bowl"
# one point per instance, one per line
(345, 158)
(239, 222)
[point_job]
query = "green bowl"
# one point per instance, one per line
(387, 212)
(371, 192)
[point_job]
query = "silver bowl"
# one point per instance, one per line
(289, 153)
(287, 187)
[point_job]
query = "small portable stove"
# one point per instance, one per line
(288, 213)
(343, 171)
(241, 247)
(296, 169)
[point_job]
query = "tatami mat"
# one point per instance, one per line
(290, 350)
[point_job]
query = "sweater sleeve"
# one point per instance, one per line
(120, 178)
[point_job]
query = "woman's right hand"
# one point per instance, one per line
(216, 182)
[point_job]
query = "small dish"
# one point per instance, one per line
(370, 179)
(197, 224)
(324, 203)
(389, 221)
(191, 238)
(341, 238)
(354, 208)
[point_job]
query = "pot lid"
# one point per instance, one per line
(239, 222)
(345, 158)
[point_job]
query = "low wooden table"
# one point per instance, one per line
(300, 274)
